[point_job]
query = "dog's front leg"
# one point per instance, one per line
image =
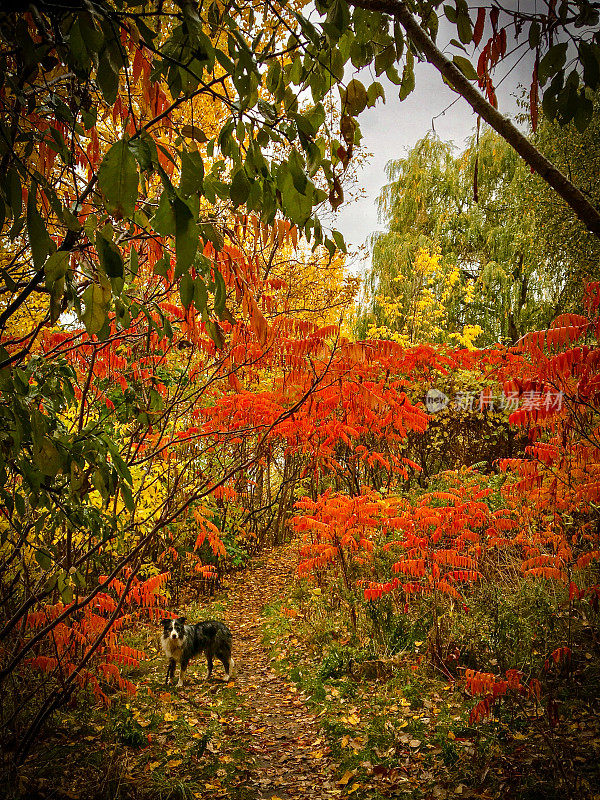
(182, 669)
(209, 662)
(170, 671)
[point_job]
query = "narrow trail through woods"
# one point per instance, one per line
(287, 749)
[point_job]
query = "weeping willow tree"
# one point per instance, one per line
(489, 218)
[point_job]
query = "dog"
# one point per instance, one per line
(180, 642)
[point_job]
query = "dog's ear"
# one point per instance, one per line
(182, 620)
(165, 621)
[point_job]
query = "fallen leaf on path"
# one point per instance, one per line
(345, 779)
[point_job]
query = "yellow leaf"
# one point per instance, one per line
(346, 777)
(354, 787)
(353, 719)
(169, 717)
(451, 735)
(317, 754)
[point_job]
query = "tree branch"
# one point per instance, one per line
(586, 212)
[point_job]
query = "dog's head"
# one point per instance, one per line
(174, 629)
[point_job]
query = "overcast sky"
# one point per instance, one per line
(391, 129)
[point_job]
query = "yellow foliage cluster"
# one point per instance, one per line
(419, 310)
(23, 321)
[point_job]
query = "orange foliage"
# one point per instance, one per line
(87, 642)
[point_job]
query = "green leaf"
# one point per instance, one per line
(338, 19)
(46, 456)
(296, 205)
(39, 241)
(465, 30)
(216, 334)
(590, 56)
(465, 66)
(355, 98)
(584, 113)
(339, 240)
(109, 256)
(127, 497)
(43, 558)
(220, 294)
(163, 220)
(186, 236)
(375, 91)
(66, 594)
(14, 192)
(296, 170)
(186, 290)
(162, 266)
(552, 62)
(134, 262)
(240, 187)
(385, 59)
(118, 180)
(330, 246)
(56, 294)
(273, 76)
(143, 148)
(56, 267)
(450, 13)
(20, 504)
(534, 35)
(192, 173)
(408, 76)
(200, 294)
(210, 233)
(95, 299)
(118, 462)
(108, 79)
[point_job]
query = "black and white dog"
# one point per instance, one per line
(181, 642)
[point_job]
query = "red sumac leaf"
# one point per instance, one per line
(479, 25)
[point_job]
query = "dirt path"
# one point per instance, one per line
(288, 755)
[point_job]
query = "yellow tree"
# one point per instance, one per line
(425, 296)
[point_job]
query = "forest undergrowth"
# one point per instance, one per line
(321, 709)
